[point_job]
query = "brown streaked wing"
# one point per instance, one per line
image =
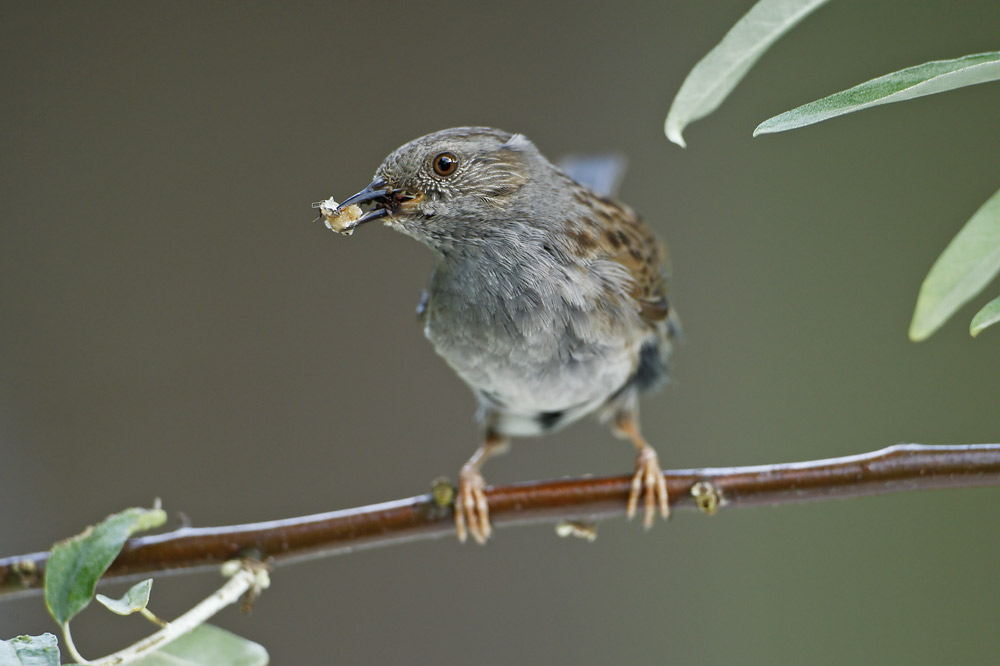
(614, 231)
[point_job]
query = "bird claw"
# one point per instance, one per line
(472, 512)
(649, 482)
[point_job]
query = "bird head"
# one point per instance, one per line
(452, 186)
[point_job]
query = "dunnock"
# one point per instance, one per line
(549, 300)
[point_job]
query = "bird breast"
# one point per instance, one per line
(532, 332)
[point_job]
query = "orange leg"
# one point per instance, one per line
(648, 479)
(472, 513)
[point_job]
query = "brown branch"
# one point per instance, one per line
(898, 468)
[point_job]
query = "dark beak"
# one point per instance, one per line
(377, 189)
(379, 192)
(387, 201)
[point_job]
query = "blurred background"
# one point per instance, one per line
(174, 324)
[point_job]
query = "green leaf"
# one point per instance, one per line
(76, 564)
(925, 79)
(970, 261)
(136, 599)
(989, 315)
(30, 651)
(207, 646)
(715, 75)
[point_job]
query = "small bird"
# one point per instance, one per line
(547, 299)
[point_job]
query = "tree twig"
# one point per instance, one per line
(899, 468)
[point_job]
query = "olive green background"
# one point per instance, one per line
(174, 324)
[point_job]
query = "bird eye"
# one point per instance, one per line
(445, 164)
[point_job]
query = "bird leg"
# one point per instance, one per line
(472, 513)
(648, 478)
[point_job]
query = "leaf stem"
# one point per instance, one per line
(71, 646)
(239, 584)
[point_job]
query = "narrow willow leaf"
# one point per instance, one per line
(925, 79)
(133, 601)
(715, 75)
(970, 261)
(76, 564)
(30, 651)
(207, 646)
(989, 315)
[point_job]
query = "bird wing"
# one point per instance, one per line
(613, 231)
(646, 259)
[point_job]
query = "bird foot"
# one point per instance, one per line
(472, 513)
(648, 482)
